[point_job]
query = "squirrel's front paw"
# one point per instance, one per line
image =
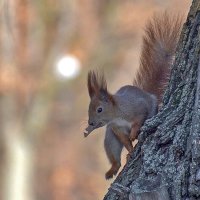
(113, 170)
(109, 174)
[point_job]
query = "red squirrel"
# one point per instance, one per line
(124, 112)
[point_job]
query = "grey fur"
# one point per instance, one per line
(133, 102)
(112, 145)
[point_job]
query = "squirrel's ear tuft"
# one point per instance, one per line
(97, 86)
(96, 83)
(106, 97)
(90, 84)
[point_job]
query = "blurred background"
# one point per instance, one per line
(46, 50)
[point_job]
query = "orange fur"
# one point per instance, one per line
(97, 86)
(159, 45)
(124, 139)
(136, 125)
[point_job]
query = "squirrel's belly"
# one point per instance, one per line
(121, 123)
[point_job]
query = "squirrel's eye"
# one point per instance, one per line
(99, 109)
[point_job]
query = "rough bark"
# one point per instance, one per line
(166, 161)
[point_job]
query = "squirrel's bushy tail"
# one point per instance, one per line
(159, 45)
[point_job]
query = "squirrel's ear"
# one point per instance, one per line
(106, 97)
(97, 86)
(92, 84)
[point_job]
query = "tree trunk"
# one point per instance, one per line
(166, 161)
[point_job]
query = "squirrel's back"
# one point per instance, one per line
(133, 101)
(159, 45)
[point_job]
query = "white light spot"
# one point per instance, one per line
(68, 67)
